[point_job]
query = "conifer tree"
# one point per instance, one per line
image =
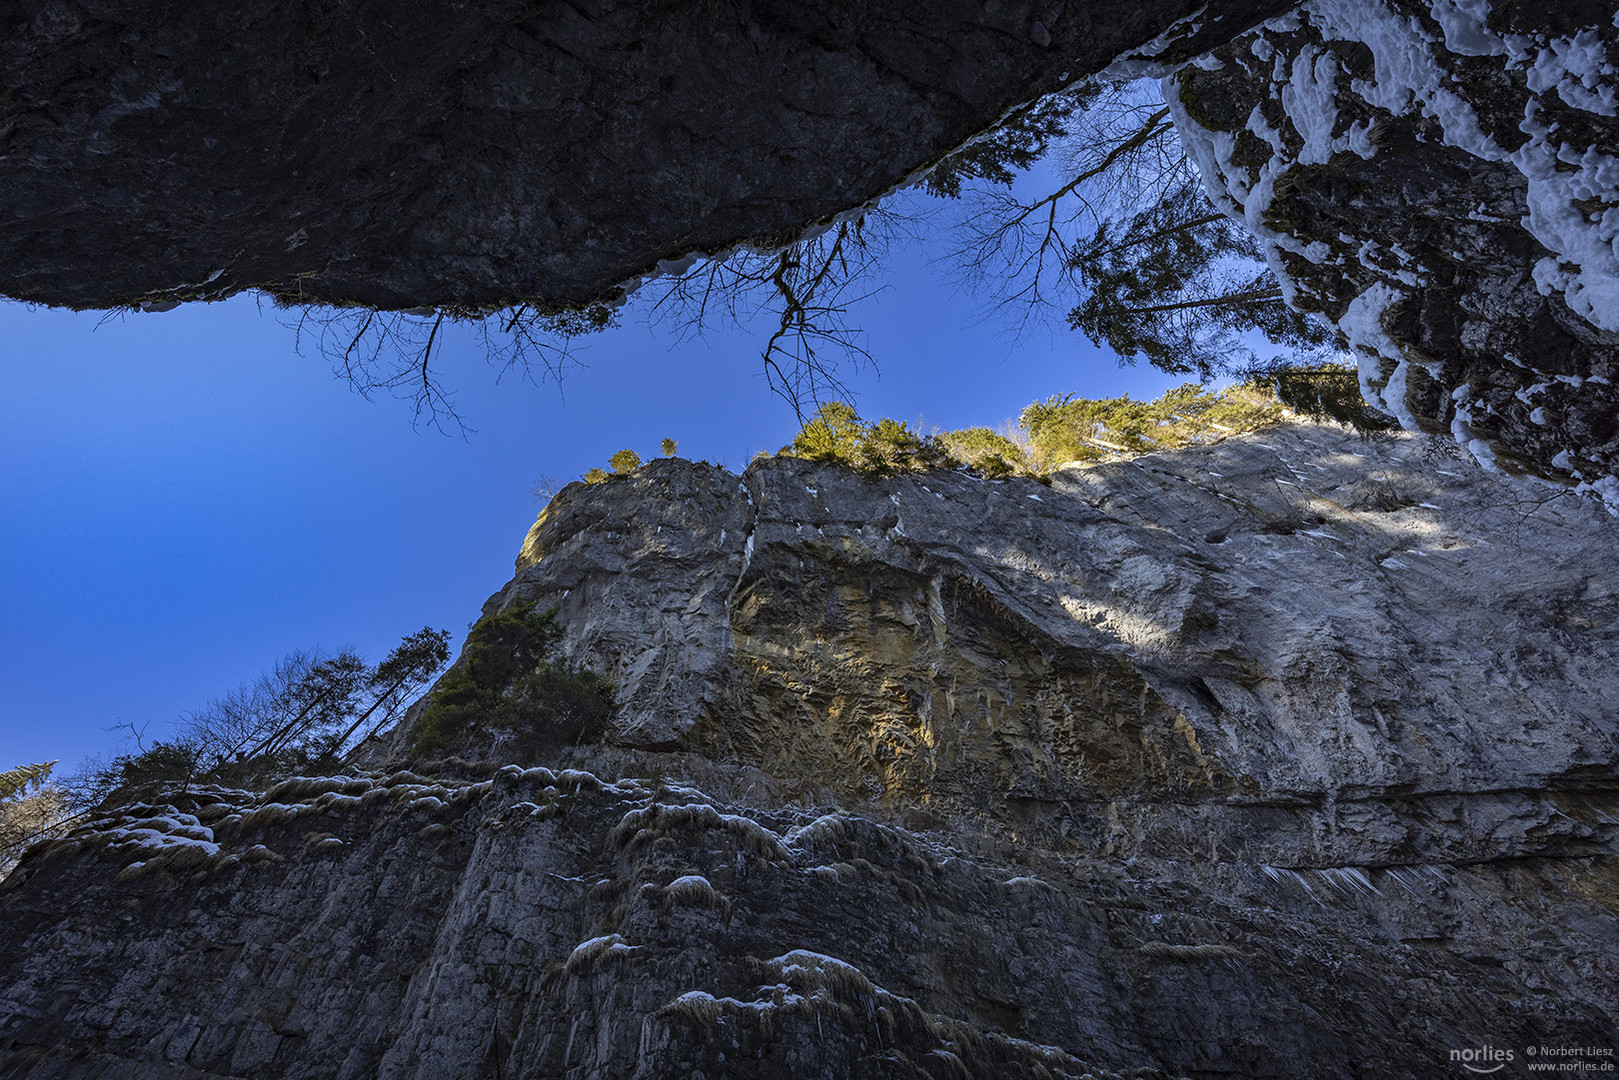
(304, 712)
(1180, 284)
(32, 808)
(14, 782)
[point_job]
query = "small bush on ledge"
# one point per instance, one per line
(625, 462)
(509, 681)
(836, 433)
(1067, 428)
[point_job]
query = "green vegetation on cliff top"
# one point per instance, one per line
(1066, 428)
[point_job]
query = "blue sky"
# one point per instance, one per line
(185, 499)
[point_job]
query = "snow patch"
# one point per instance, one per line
(1147, 62)
(598, 948)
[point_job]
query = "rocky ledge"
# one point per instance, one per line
(402, 154)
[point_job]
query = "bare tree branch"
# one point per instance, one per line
(1245, 297)
(1119, 147)
(808, 289)
(395, 351)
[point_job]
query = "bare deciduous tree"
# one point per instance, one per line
(1116, 148)
(392, 352)
(1122, 245)
(805, 290)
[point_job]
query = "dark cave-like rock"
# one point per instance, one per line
(474, 154)
(1438, 180)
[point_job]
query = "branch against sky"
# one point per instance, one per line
(1120, 243)
(394, 352)
(805, 293)
(1116, 149)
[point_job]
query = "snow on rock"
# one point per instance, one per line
(605, 947)
(1403, 164)
(1294, 713)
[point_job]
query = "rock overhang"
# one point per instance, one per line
(467, 158)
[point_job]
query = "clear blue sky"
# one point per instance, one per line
(184, 498)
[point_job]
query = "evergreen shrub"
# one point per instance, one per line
(510, 680)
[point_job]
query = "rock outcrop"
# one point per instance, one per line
(1287, 756)
(481, 154)
(1441, 180)
(1284, 625)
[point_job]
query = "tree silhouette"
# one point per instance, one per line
(304, 712)
(1181, 284)
(1122, 245)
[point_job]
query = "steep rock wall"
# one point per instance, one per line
(1296, 645)
(1289, 756)
(471, 156)
(1441, 180)
(552, 923)
(1434, 175)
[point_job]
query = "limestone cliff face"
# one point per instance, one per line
(1290, 756)
(1441, 179)
(473, 155)
(1297, 627)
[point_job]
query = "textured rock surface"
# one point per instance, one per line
(1436, 175)
(545, 924)
(1290, 756)
(1296, 646)
(409, 154)
(1442, 180)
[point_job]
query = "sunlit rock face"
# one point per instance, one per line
(1275, 628)
(477, 154)
(1288, 756)
(1441, 180)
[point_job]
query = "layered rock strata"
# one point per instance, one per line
(1286, 628)
(549, 923)
(1288, 756)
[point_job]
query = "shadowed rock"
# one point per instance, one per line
(473, 155)
(1292, 756)
(1442, 181)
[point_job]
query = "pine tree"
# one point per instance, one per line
(1016, 144)
(32, 808)
(509, 680)
(303, 713)
(391, 683)
(1325, 392)
(1179, 284)
(18, 781)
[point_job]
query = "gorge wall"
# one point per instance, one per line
(1436, 176)
(1442, 181)
(1288, 756)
